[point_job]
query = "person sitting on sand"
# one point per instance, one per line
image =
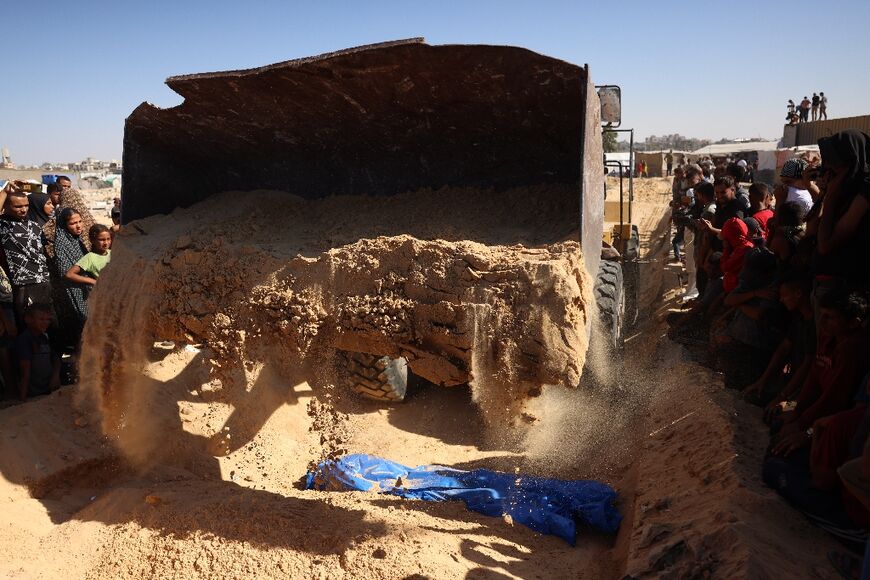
(840, 365)
(808, 478)
(796, 352)
(38, 366)
(88, 268)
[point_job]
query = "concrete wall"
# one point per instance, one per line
(655, 163)
(809, 133)
(656, 166)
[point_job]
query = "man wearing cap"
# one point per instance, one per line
(792, 177)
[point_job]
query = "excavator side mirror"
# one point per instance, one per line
(611, 104)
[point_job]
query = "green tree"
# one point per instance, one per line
(608, 140)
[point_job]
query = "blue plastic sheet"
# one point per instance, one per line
(548, 506)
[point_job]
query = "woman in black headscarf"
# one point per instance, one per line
(844, 228)
(72, 309)
(71, 198)
(37, 209)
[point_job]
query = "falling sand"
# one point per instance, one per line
(272, 285)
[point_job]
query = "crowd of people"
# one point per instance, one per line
(800, 113)
(686, 177)
(51, 256)
(778, 303)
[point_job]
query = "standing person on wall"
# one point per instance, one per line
(805, 110)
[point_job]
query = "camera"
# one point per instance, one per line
(683, 219)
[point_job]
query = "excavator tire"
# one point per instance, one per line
(631, 280)
(610, 299)
(379, 378)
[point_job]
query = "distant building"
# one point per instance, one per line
(6, 162)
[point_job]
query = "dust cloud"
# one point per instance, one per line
(270, 285)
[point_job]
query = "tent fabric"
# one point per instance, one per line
(767, 160)
(548, 506)
(734, 148)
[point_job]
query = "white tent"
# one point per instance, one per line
(723, 149)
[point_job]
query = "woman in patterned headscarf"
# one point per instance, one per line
(72, 309)
(69, 198)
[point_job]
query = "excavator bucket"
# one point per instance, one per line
(375, 120)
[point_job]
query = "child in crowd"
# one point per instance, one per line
(88, 268)
(69, 249)
(793, 358)
(841, 362)
(38, 365)
(760, 201)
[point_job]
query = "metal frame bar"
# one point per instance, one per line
(630, 174)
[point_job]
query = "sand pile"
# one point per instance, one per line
(486, 294)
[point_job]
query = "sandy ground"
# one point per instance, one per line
(682, 453)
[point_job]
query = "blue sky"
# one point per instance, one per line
(74, 70)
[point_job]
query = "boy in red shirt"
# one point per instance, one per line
(760, 201)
